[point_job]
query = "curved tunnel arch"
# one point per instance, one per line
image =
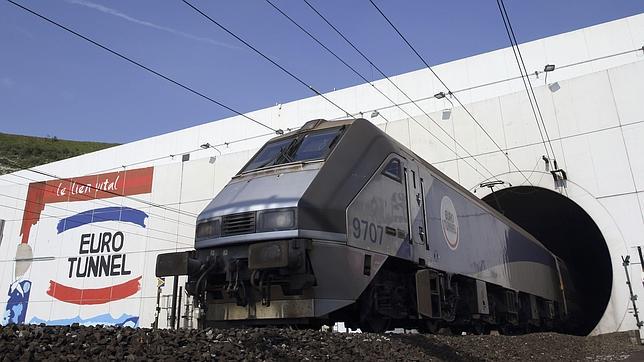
(569, 232)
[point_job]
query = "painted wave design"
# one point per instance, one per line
(122, 214)
(125, 320)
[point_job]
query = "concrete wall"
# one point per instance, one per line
(591, 108)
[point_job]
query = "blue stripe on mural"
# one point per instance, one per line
(124, 320)
(123, 214)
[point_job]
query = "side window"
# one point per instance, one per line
(393, 170)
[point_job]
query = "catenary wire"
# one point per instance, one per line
(129, 197)
(104, 227)
(226, 143)
(361, 76)
(405, 94)
(177, 235)
(448, 90)
(140, 65)
(527, 83)
(556, 139)
(330, 52)
(523, 79)
(105, 202)
(534, 74)
(266, 57)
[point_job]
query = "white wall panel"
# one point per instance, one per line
(608, 36)
(626, 212)
(518, 121)
(634, 137)
(585, 104)
(627, 93)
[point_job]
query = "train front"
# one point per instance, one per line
(252, 262)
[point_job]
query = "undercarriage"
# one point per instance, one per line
(291, 282)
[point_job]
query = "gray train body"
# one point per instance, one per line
(339, 222)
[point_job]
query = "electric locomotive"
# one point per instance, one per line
(337, 221)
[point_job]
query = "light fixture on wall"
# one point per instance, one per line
(375, 114)
(547, 69)
(439, 95)
(207, 145)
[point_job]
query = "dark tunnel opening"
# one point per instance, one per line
(570, 233)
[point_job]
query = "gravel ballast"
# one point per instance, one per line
(74, 343)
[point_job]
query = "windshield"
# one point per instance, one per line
(269, 154)
(303, 147)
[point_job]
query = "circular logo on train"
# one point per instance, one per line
(449, 221)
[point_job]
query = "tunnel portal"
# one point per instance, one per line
(570, 233)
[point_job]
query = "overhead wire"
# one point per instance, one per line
(533, 74)
(49, 216)
(104, 202)
(406, 95)
(330, 52)
(140, 65)
(222, 27)
(526, 80)
(422, 59)
(509, 79)
(573, 135)
(115, 194)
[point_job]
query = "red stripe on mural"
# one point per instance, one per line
(103, 186)
(94, 296)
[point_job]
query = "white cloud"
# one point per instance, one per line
(113, 12)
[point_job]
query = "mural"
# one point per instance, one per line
(94, 266)
(17, 303)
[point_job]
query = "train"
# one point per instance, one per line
(339, 222)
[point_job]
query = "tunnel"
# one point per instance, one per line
(570, 233)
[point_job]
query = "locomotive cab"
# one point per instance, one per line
(252, 260)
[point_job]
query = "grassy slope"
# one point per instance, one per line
(17, 152)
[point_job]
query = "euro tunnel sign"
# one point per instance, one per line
(160, 282)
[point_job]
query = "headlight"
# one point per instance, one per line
(274, 220)
(208, 229)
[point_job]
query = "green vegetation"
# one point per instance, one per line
(18, 152)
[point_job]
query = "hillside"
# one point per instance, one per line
(18, 152)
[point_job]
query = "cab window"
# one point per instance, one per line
(393, 170)
(270, 154)
(315, 145)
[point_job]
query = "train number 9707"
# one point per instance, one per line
(366, 230)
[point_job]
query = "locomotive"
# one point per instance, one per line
(337, 221)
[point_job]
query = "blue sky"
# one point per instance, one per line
(53, 83)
